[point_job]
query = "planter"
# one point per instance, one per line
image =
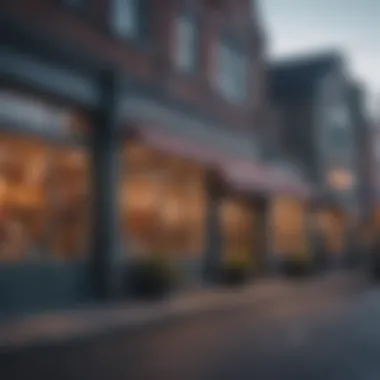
(148, 280)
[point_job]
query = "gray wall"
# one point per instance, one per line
(296, 135)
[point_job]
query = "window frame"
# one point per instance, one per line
(190, 17)
(141, 25)
(237, 55)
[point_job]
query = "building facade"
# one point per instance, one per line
(129, 128)
(313, 95)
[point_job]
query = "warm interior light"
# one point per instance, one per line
(341, 179)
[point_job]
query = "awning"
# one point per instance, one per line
(291, 184)
(241, 174)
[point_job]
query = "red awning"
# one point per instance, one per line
(241, 174)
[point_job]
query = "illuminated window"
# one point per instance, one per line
(289, 226)
(341, 179)
(69, 195)
(237, 228)
(23, 199)
(163, 204)
(44, 186)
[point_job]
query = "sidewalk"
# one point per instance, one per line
(66, 326)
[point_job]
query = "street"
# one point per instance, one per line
(324, 336)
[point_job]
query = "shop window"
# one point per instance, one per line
(289, 227)
(23, 198)
(69, 195)
(237, 228)
(44, 194)
(162, 203)
(333, 226)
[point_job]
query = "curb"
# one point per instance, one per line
(80, 328)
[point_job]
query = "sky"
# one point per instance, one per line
(353, 26)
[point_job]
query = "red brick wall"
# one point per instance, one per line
(90, 30)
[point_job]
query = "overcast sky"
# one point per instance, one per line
(294, 26)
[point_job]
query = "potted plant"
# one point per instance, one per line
(236, 269)
(152, 277)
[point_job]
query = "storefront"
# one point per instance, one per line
(169, 207)
(243, 231)
(334, 227)
(290, 219)
(45, 193)
(162, 200)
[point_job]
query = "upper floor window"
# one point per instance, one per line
(127, 17)
(231, 77)
(186, 43)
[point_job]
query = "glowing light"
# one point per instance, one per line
(341, 179)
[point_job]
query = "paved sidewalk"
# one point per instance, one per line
(66, 326)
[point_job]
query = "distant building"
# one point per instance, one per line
(319, 124)
(364, 149)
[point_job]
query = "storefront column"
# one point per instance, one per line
(213, 225)
(105, 270)
(311, 236)
(266, 232)
(272, 259)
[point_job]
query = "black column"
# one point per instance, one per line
(105, 267)
(213, 251)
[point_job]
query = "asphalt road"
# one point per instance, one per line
(322, 337)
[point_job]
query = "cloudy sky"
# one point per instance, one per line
(353, 25)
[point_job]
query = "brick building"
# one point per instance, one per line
(130, 128)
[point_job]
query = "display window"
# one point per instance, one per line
(289, 226)
(44, 181)
(162, 203)
(69, 201)
(238, 229)
(333, 225)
